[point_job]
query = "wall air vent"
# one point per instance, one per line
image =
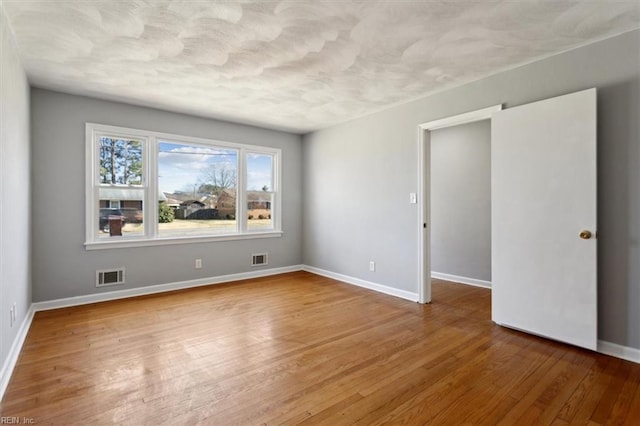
(259, 259)
(107, 277)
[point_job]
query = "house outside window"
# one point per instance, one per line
(202, 190)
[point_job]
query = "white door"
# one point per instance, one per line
(543, 189)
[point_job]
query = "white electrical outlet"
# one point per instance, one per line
(372, 266)
(198, 263)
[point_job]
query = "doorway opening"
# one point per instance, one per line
(461, 204)
(424, 189)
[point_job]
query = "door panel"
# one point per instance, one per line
(543, 185)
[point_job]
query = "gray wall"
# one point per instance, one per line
(62, 266)
(358, 176)
(461, 200)
(15, 279)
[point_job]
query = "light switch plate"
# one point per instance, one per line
(413, 198)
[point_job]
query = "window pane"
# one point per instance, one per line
(120, 161)
(259, 172)
(125, 220)
(259, 191)
(259, 210)
(199, 184)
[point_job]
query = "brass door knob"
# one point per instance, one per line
(585, 235)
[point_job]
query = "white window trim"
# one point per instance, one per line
(150, 185)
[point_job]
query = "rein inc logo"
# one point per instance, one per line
(17, 420)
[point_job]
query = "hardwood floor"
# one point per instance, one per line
(300, 348)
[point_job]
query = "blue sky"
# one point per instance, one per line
(181, 167)
(259, 172)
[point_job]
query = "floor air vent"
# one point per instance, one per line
(259, 259)
(107, 277)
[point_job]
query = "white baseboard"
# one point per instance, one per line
(619, 351)
(159, 288)
(14, 352)
(16, 347)
(604, 347)
(462, 280)
(362, 283)
(607, 348)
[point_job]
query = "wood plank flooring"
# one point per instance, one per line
(303, 349)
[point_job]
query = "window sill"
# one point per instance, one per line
(121, 242)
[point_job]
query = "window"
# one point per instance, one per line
(204, 180)
(203, 190)
(259, 191)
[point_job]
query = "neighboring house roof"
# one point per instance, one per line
(173, 202)
(125, 193)
(225, 196)
(178, 196)
(191, 202)
(259, 196)
(228, 192)
(115, 193)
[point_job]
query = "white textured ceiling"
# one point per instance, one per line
(293, 65)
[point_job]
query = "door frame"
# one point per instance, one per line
(424, 189)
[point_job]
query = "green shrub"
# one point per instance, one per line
(250, 216)
(260, 216)
(165, 213)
